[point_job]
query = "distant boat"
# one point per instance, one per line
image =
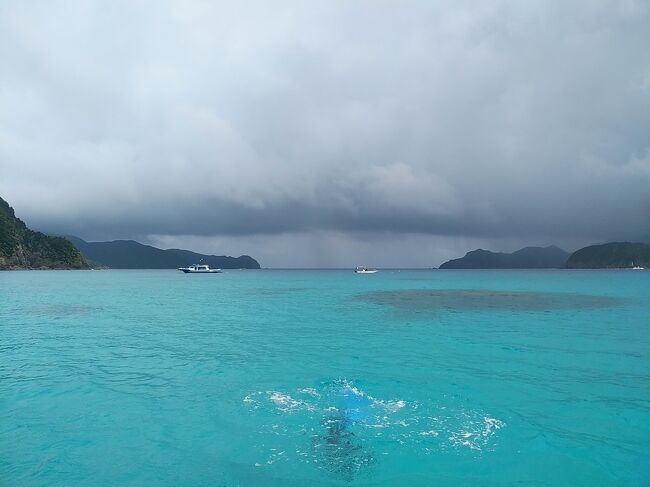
(361, 269)
(199, 269)
(637, 267)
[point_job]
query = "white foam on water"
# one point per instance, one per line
(392, 406)
(459, 442)
(309, 390)
(386, 425)
(476, 434)
(429, 433)
(347, 386)
(491, 424)
(286, 403)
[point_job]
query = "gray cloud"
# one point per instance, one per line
(471, 122)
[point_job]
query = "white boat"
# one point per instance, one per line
(637, 267)
(199, 269)
(362, 269)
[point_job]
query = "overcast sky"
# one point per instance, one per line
(329, 133)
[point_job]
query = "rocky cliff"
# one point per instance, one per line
(22, 248)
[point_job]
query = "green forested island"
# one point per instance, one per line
(610, 255)
(526, 258)
(22, 248)
(614, 255)
(129, 254)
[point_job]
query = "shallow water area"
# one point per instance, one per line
(325, 378)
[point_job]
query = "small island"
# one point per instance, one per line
(22, 248)
(129, 254)
(551, 257)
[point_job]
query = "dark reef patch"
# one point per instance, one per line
(422, 300)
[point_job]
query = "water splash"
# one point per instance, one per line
(340, 428)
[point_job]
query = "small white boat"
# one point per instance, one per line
(637, 267)
(361, 269)
(199, 269)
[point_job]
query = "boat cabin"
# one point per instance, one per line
(199, 268)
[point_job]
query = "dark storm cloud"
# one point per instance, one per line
(475, 119)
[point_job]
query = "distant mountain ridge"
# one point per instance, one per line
(129, 254)
(551, 257)
(22, 248)
(610, 255)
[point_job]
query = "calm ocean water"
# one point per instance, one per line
(120, 378)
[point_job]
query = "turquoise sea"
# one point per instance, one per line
(254, 378)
